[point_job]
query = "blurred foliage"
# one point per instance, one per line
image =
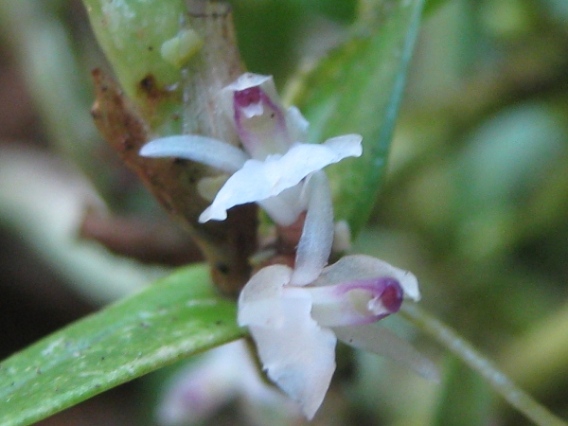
(475, 200)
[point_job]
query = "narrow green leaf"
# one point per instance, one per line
(176, 317)
(358, 89)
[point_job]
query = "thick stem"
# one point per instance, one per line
(147, 42)
(448, 338)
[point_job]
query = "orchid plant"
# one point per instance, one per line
(267, 296)
(294, 314)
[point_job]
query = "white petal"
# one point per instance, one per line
(377, 339)
(346, 145)
(249, 184)
(260, 298)
(317, 235)
(285, 208)
(297, 124)
(259, 180)
(248, 80)
(358, 267)
(341, 237)
(298, 355)
(209, 151)
(299, 358)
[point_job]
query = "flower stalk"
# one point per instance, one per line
(460, 347)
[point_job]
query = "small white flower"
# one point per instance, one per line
(296, 315)
(222, 375)
(295, 328)
(274, 162)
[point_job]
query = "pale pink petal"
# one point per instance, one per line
(223, 374)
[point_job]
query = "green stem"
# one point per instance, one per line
(534, 359)
(447, 337)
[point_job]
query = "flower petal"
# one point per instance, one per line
(203, 387)
(259, 300)
(285, 208)
(259, 180)
(356, 302)
(248, 80)
(360, 267)
(219, 376)
(258, 114)
(377, 339)
(298, 355)
(209, 151)
(297, 125)
(299, 358)
(317, 235)
(345, 145)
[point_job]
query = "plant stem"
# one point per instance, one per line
(448, 338)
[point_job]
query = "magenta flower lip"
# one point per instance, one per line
(246, 97)
(388, 289)
(392, 295)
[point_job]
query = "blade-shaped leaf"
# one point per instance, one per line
(357, 89)
(176, 317)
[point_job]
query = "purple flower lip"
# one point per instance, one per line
(356, 302)
(246, 97)
(387, 290)
(392, 295)
(260, 122)
(385, 297)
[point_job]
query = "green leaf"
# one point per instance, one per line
(266, 30)
(176, 317)
(131, 33)
(357, 89)
(433, 6)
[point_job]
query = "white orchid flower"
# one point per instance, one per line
(274, 161)
(295, 315)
